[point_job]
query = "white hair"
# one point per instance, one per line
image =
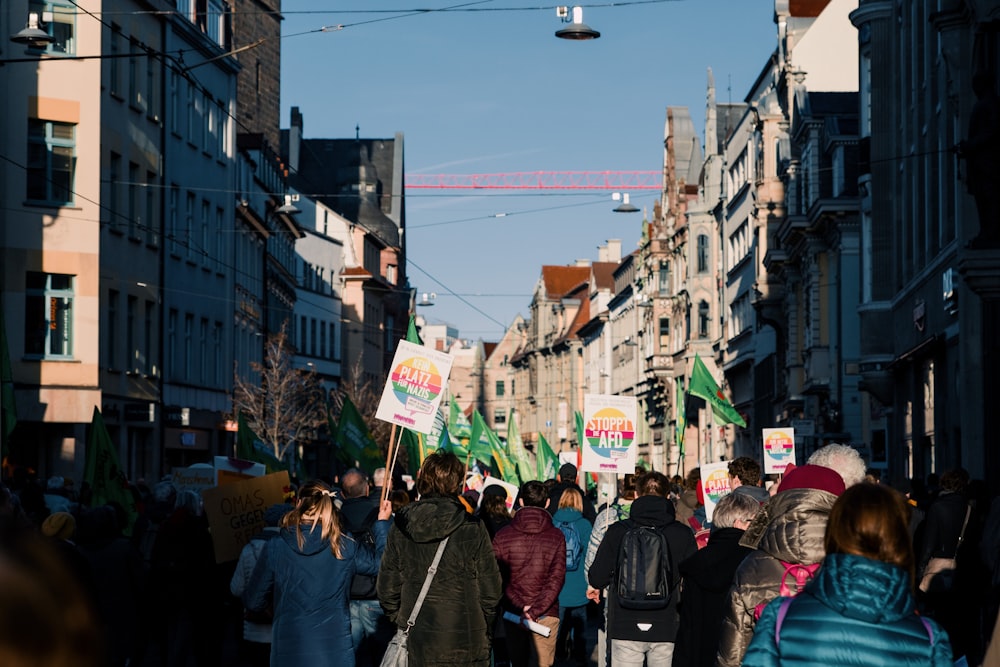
(844, 459)
(378, 477)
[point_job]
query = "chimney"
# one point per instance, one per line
(612, 252)
(294, 140)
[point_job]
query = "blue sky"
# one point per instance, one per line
(488, 88)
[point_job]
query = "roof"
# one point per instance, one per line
(488, 349)
(806, 8)
(559, 280)
(604, 275)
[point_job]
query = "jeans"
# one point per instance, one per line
(573, 621)
(627, 653)
(370, 631)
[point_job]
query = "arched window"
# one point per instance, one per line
(702, 253)
(703, 319)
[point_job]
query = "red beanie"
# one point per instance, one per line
(813, 477)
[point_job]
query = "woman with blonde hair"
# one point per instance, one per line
(859, 608)
(305, 575)
(569, 518)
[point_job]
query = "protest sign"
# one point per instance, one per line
(511, 490)
(414, 387)
(235, 511)
(779, 449)
(715, 485)
(228, 469)
(195, 478)
(609, 434)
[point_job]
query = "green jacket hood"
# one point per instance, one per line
(431, 519)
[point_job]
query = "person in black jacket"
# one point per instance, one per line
(639, 635)
(706, 578)
(567, 480)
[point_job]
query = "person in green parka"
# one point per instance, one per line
(455, 623)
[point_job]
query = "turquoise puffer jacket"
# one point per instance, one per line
(857, 611)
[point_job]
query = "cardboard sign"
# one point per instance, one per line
(228, 469)
(235, 511)
(609, 434)
(715, 485)
(195, 478)
(779, 449)
(414, 387)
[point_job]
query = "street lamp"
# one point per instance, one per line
(577, 29)
(32, 35)
(427, 299)
(625, 206)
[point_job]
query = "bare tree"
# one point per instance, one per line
(366, 397)
(287, 406)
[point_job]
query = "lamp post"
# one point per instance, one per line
(577, 29)
(32, 34)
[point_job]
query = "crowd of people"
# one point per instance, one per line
(821, 565)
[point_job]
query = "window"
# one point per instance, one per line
(171, 359)
(172, 230)
(703, 319)
(663, 286)
(48, 315)
(500, 388)
(175, 102)
(147, 338)
(188, 360)
(312, 337)
(152, 238)
(115, 83)
(134, 221)
(206, 238)
(214, 25)
(51, 161)
(702, 253)
(499, 418)
(203, 368)
(217, 352)
(114, 189)
(130, 307)
(220, 240)
(189, 225)
(135, 96)
(322, 339)
(112, 334)
(61, 26)
(664, 334)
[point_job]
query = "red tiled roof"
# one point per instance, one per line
(488, 349)
(561, 279)
(604, 275)
(356, 271)
(583, 314)
(807, 8)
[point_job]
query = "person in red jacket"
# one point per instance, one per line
(531, 553)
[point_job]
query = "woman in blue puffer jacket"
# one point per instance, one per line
(305, 574)
(859, 609)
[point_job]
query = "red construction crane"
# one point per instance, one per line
(539, 180)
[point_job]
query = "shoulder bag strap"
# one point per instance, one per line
(427, 584)
(961, 535)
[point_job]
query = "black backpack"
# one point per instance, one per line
(643, 574)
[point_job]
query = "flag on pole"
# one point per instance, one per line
(548, 464)
(411, 332)
(8, 407)
(486, 447)
(249, 447)
(681, 416)
(703, 386)
(458, 424)
(354, 442)
(590, 478)
(515, 447)
(102, 473)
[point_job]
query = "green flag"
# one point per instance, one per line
(458, 424)
(8, 408)
(354, 442)
(249, 447)
(411, 331)
(102, 473)
(411, 441)
(548, 464)
(479, 443)
(515, 447)
(703, 386)
(681, 416)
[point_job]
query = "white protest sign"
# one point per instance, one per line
(414, 387)
(609, 434)
(715, 485)
(779, 449)
(195, 478)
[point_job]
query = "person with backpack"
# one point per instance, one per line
(787, 537)
(859, 608)
(617, 511)
(531, 553)
(638, 560)
(572, 641)
(370, 631)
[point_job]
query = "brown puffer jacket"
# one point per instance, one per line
(790, 528)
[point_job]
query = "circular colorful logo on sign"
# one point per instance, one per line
(716, 485)
(416, 383)
(778, 445)
(609, 430)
